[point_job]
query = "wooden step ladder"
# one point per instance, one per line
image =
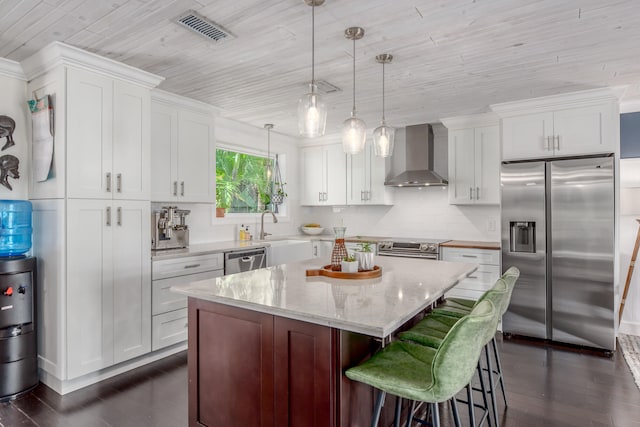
(634, 255)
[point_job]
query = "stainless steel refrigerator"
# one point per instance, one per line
(558, 228)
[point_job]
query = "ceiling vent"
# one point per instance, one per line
(326, 87)
(201, 25)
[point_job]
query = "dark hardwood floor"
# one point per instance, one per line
(545, 387)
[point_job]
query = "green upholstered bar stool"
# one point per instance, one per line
(426, 374)
(434, 327)
(431, 330)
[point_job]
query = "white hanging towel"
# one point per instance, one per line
(42, 123)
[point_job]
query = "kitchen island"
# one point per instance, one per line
(268, 347)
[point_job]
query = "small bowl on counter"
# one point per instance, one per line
(312, 231)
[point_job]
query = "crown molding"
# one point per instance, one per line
(544, 104)
(13, 69)
(471, 121)
(58, 53)
(168, 98)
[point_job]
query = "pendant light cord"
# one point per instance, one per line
(313, 42)
(383, 92)
(354, 77)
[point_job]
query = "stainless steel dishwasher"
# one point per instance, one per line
(244, 260)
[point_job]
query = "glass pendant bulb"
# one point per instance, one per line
(354, 135)
(312, 111)
(383, 135)
(383, 139)
(354, 130)
(312, 114)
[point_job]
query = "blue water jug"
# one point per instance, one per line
(15, 227)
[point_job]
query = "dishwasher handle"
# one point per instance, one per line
(242, 254)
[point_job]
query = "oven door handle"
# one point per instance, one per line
(431, 256)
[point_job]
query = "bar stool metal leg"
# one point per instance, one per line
(499, 369)
(396, 418)
(378, 408)
(492, 387)
(412, 409)
(454, 409)
(435, 415)
(472, 412)
(483, 388)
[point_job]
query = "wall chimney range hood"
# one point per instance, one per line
(419, 160)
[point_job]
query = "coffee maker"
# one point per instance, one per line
(169, 230)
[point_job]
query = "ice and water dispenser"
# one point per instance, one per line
(522, 236)
(18, 341)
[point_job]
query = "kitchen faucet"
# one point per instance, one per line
(262, 233)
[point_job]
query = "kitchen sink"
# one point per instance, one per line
(284, 251)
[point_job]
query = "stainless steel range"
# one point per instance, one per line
(411, 248)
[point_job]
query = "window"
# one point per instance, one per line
(242, 185)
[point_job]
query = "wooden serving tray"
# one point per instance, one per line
(327, 271)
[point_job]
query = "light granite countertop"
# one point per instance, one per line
(375, 307)
(224, 246)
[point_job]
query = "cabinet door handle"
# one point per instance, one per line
(119, 183)
(119, 216)
(108, 216)
(557, 137)
(182, 188)
(192, 265)
(472, 277)
(470, 193)
(549, 142)
(315, 251)
(319, 196)
(108, 182)
(175, 188)
(362, 195)
(477, 193)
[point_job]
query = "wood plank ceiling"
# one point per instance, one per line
(451, 57)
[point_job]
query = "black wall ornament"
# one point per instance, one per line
(7, 126)
(8, 169)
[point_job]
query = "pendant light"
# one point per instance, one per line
(312, 111)
(354, 130)
(269, 172)
(383, 135)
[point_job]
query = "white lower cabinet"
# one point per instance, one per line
(322, 249)
(480, 281)
(108, 283)
(169, 323)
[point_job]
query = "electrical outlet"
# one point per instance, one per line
(491, 224)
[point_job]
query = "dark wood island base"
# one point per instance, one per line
(251, 368)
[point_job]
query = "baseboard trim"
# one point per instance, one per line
(629, 328)
(67, 386)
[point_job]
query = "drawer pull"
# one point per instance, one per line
(186, 326)
(472, 277)
(192, 266)
(469, 256)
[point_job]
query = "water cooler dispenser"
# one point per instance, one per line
(18, 340)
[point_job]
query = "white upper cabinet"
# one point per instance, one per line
(102, 125)
(365, 179)
(579, 123)
(474, 159)
(107, 137)
(183, 150)
(323, 175)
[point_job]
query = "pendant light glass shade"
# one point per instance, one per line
(312, 114)
(312, 111)
(268, 172)
(383, 135)
(354, 130)
(383, 139)
(354, 135)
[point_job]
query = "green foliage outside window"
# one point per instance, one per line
(241, 182)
